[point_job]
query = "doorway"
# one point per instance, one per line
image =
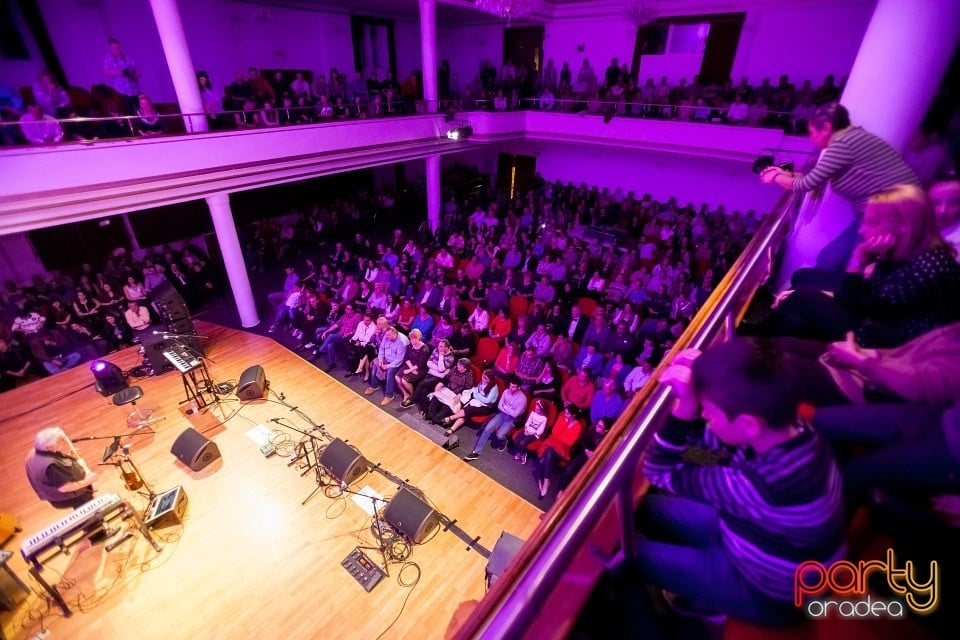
(515, 173)
(524, 46)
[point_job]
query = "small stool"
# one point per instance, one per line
(7, 602)
(137, 419)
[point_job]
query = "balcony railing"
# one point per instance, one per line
(553, 574)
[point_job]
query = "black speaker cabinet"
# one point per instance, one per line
(411, 516)
(253, 383)
(170, 303)
(194, 450)
(343, 462)
(153, 348)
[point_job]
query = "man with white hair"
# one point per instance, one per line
(56, 471)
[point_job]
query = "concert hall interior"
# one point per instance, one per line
(394, 318)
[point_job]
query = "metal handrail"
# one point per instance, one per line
(516, 598)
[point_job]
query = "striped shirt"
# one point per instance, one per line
(858, 165)
(776, 510)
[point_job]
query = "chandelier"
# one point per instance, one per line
(641, 12)
(509, 9)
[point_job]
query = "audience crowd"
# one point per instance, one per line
(64, 319)
(557, 302)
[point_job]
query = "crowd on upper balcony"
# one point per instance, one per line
(616, 92)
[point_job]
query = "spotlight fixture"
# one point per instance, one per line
(108, 377)
(460, 132)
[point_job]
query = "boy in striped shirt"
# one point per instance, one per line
(745, 500)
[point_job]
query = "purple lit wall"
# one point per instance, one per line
(696, 180)
(804, 43)
(466, 47)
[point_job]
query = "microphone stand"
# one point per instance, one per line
(112, 448)
(378, 524)
(302, 452)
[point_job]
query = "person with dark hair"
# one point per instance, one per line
(749, 498)
(56, 471)
(511, 406)
(557, 447)
(480, 400)
(589, 441)
(857, 164)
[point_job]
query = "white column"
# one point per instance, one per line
(433, 191)
(428, 53)
(899, 66)
(167, 16)
(226, 231)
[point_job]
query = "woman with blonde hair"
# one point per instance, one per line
(904, 280)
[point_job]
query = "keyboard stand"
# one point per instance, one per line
(37, 567)
(196, 383)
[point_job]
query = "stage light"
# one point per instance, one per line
(460, 132)
(108, 377)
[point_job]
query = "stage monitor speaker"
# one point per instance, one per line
(507, 546)
(343, 462)
(194, 450)
(153, 348)
(183, 326)
(253, 383)
(167, 508)
(411, 516)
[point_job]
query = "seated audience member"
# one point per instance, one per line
(557, 447)
(38, 127)
(54, 353)
(945, 194)
(148, 122)
(331, 339)
(925, 369)
(424, 322)
(606, 404)
(137, 316)
(907, 281)
(14, 365)
(480, 318)
(547, 384)
(443, 331)
(414, 367)
(406, 315)
(590, 439)
(390, 358)
(365, 354)
(578, 390)
(507, 360)
(528, 367)
(438, 367)
(540, 341)
(616, 370)
(590, 360)
(445, 398)
(116, 331)
(463, 343)
(134, 291)
(735, 513)
(501, 325)
(533, 429)
(477, 401)
(512, 404)
(562, 353)
(638, 376)
(912, 449)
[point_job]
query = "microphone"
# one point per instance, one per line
(111, 448)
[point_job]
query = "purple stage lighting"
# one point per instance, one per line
(108, 377)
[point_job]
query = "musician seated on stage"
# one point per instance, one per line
(56, 471)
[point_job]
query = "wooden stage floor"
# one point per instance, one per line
(250, 561)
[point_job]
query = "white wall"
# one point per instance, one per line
(602, 38)
(695, 180)
(466, 47)
(805, 43)
(672, 65)
(406, 37)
